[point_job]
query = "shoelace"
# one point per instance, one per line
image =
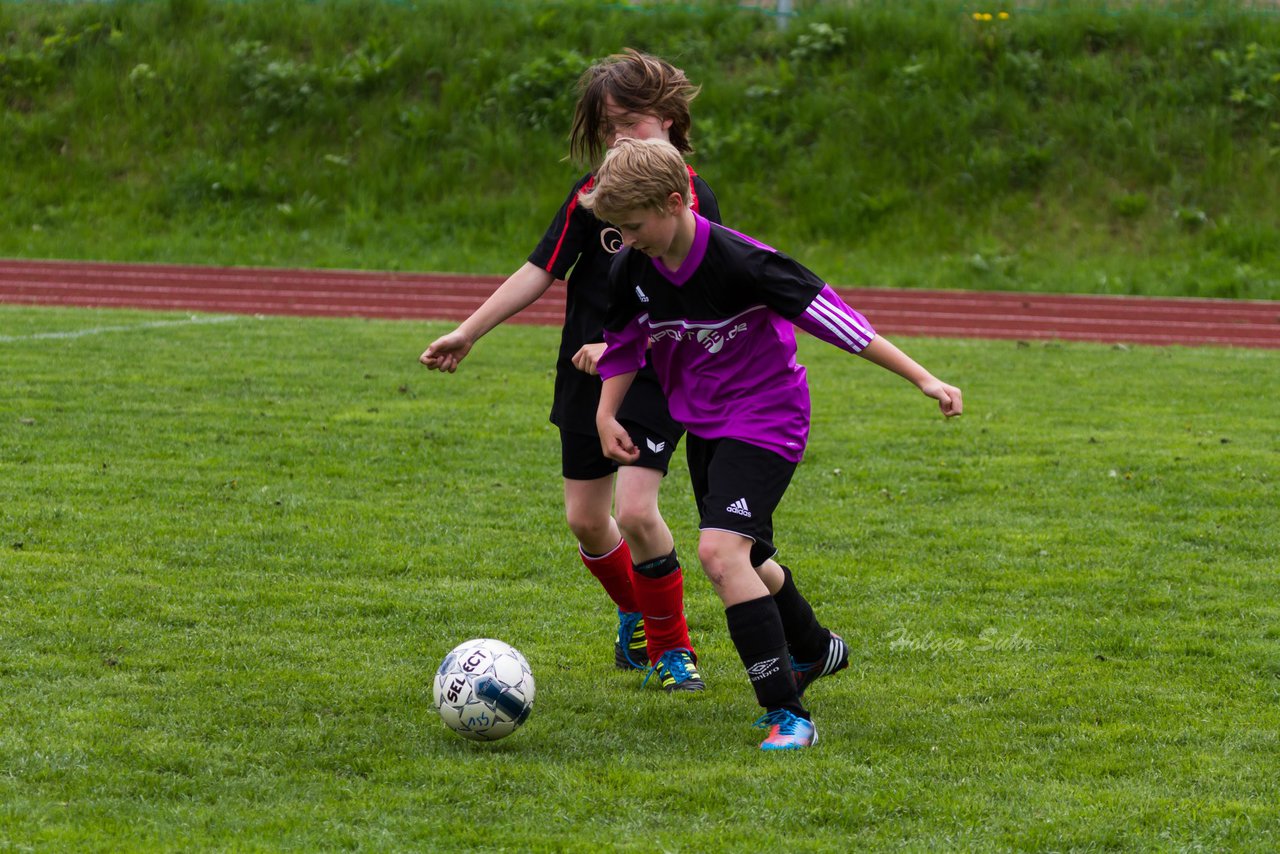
(627, 622)
(674, 662)
(786, 722)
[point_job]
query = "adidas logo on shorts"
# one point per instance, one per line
(739, 507)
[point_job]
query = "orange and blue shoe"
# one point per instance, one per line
(808, 672)
(629, 647)
(787, 731)
(677, 671)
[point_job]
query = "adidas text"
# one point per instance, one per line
(739, 507)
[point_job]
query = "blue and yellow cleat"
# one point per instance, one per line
(808, 672)
(629, 652)
(787, 731)
(677, 672)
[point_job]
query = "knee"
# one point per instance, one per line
(716, 558)
(589, 527)
(639, 523)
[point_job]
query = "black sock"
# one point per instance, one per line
(806, 637)
(756, 631)
(658, 567)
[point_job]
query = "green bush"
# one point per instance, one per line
(276, 89)
(542, 92)
(26, 71)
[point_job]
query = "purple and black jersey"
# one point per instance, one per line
(720, 336)
(577, 240)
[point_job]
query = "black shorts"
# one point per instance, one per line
(738, 486)
(581, 457)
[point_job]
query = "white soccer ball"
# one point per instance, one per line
(484, 689)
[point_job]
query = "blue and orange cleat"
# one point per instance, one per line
(787, 731)
(629, 647)
(808, 672)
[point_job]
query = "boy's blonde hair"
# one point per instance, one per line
(636, 174)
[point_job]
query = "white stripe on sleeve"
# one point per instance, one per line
(840, 323)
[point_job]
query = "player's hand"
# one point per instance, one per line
(587, 359)
(948, 396)
(446, 352)
(616, 442)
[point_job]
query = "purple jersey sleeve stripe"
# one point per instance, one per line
(838, 310)
(829, 319)
(827, 330)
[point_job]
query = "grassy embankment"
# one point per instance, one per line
(1066, 148)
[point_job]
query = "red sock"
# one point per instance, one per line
(613, 571)
(661, 601)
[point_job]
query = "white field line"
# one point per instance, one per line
(99, 330)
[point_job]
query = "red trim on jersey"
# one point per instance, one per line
(573, 204)
(568, 215)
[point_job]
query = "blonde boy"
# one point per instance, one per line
(713, 312)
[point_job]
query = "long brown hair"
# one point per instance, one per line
(638, 83)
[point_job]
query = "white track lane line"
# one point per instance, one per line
(99, 330)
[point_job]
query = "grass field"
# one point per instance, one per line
(232, 553)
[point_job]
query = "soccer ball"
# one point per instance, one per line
(484, 689)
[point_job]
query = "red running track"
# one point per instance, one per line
(430, 296)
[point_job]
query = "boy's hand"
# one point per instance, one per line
(616, 442)
(446, 352)
(948, 397)
(587, 359)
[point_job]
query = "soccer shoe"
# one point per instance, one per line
(629, 652)
(787, 731)
(676, 672)
(836, 659)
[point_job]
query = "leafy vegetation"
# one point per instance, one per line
(1060, 147)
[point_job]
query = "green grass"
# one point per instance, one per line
(1086, 147)
(232, 554)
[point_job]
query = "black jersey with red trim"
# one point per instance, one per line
(579, 247)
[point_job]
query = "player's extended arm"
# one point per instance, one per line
(615, 441)
(830, 319)
(884, 353)
(521, 290)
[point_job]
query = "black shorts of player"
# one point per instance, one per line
(738, 486)
(582, 459)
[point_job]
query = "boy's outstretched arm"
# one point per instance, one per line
(615, 441)
(882, 352)
(829, 318)
(521, 289)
